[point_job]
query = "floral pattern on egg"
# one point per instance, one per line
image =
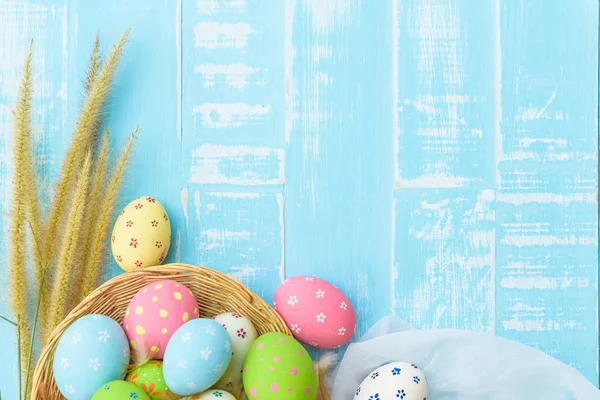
(242, 334)
(215, 394)
(154, 314)
(92, 351)
(197, 356)
(119, 390)
(150, 378)
(393, 381)
(141, 236)
(316, 312)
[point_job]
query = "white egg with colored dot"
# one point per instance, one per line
(217, 394)
(242, 334)
(393, 381)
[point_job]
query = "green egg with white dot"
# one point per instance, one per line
(150, 378)
(278, 367)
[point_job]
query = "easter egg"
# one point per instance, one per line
(150, 378)
(197, 356)
(242, 334)
(141, 236)
(120, 390)
(214, 394)
(91, 352)
(154, 314)
(316, 312)
(393, 381)
(279, 368)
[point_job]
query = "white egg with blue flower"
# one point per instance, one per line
(91, 352)
(393, 381)
(196, 357)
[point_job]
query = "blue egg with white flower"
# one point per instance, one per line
(196, 357)
(92, 351)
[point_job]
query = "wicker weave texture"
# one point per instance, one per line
(215, 292)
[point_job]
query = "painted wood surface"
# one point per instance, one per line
(435, 159)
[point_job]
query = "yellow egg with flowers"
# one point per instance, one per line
(141, 236)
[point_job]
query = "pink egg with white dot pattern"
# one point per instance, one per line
(316, 312)
(154, 314)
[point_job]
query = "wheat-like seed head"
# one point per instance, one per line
(83, 137)
(106, 212)
(91, 222)
(19, 209)
(83, 140)
(67, 258)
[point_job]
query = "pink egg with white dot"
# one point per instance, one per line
(154, 314)
(316, 312)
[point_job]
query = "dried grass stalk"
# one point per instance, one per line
(98, 243)
(69, 249)
(76, 192)
(19, 210)
(82, 139)
(90, 225)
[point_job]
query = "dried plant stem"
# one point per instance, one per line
(106, 212)
(20, 209)
(91, 224)
(28, 376)
(82, 138)
(68, 252)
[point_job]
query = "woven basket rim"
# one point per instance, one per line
(257, 308)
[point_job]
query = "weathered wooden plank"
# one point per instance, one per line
(444, 258)
(547, 216)
(446, 93)
(233, 119)
(339, 162)
(240, 233)
(233, 72)
(444, 208)
(45, 23)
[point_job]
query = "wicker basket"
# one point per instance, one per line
(215, 292)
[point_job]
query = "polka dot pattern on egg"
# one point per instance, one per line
(278, 368)
(153, 314)
(149, 377)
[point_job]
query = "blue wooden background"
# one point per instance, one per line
(436, 159)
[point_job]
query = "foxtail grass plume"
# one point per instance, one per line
(98, 244)
(95, 65)
(83, 137)
(99, 79)
(62, 246)
(69, 251)
(90, 224)
(19, 210)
